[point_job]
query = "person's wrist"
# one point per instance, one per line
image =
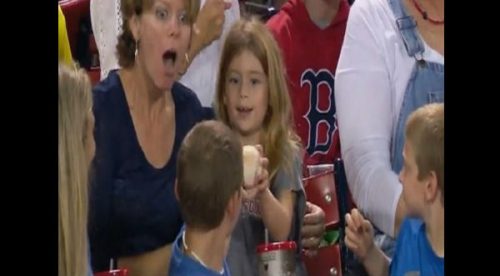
(185, 65)
(199, 39)
(370, 253)
(263, 193)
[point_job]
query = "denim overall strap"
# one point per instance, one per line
(407, 25)
(426, 83)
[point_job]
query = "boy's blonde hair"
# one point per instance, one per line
(425, 133)
(279, 140)
(74, 107)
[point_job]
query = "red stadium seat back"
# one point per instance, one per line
(320, 190)
(74, 12)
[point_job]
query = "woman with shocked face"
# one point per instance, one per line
(141, 116)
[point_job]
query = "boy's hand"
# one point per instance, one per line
(359, 234)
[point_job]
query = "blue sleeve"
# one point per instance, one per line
(209, 113)
(394, 265)
(199, 111)
(192, 111)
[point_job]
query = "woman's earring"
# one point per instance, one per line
(136, 47)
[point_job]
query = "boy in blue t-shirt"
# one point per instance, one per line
(420, 243)
(208, 188)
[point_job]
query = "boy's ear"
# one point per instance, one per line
(431, 187)
(175, 190)
(234, 204)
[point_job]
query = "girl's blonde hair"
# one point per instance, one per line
(74, 107)
(279, 140)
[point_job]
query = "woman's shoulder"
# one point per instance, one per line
(107, 92)
(184, 97)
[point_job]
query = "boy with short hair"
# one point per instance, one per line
(208, 187)
(420, 243)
